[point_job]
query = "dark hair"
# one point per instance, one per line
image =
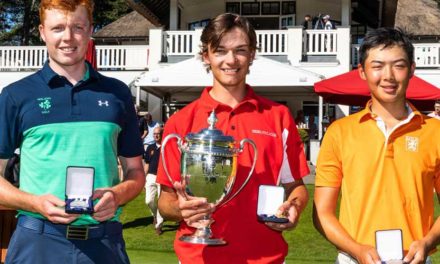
(386, 37)
(220, 25)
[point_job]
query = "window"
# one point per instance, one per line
(233, 7)
(250, 8)
(288, 7)
(270, 8)
(198, 24)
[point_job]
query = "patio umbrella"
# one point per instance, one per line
(350, 89)
(91, 54)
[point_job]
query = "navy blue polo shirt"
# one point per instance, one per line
(151, 156)
(56, 124)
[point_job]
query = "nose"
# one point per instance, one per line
(388, 73)
(230, 57)
(67, 34)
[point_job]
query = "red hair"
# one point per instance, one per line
(66, 5)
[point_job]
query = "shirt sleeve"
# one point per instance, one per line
(294, 165)
(9, 125)
(329, 165)
(129, 140)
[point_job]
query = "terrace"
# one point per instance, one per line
(325, 52)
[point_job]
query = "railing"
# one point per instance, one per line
(27, 58)
(320, 42)
(179, 43)
(134, 57)
(126, 57)
(272, 42)
(426, 55)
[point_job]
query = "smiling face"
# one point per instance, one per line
(387, 72)
(66, 35)
(231, 60)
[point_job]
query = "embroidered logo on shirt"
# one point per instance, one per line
(45, 104)
(262, 132)
(101, 103)
(412, 144)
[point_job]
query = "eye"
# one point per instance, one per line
(220, 52)
(79, 28)
(58, 29)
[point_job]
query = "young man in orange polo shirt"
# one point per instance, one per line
(384, 161)
(228, 48)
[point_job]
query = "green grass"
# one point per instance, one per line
(306, 245)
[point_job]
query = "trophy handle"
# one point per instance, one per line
(162, 153)
(252, 143)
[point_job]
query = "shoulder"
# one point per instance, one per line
(113, 85)
(273, 106)
(28, 82)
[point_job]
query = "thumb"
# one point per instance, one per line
(98, 194)
(55, 200)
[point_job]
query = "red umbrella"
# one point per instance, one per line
(350, 89)
(91, 54)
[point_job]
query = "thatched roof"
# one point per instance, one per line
(132, 25)
(421, 17)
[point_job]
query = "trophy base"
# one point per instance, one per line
(203, 240)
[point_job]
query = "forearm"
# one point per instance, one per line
(433, 237)
(12, 197)
(329, 226)
(133, 183)
(168, 204)
(326, 222)
(297, 195)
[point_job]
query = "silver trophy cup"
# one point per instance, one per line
(208, 168)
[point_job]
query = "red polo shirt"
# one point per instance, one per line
(280, 159)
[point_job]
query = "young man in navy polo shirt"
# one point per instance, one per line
(228, 48)
(67, 114)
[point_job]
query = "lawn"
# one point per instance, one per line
(306, 245)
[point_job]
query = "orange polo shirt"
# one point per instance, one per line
(386, 182)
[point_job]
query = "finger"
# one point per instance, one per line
(374, 256)
(410, 256)
(103, 215)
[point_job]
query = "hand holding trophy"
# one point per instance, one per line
(208, 169)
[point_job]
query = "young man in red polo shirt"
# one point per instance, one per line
(384, 161)
(228, 49)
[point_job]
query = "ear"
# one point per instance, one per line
(205, 57)
(41, 30)
(412, 69)
(252, 58)
(362, 72)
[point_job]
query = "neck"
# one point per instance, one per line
(230, 96)
(390, 113)
(73, 73)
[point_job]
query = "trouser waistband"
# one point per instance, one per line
(68, 231)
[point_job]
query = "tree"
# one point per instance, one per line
(19, 19)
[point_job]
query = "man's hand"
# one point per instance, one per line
(367, 255)
(106, 208)
(417, 253)
(287, 209)
(52, 208)
(192, 209)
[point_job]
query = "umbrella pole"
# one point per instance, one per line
(320, 116)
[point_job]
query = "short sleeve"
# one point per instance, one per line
(9, 125)
(329, 166)
(129, 140)
(294, 165)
